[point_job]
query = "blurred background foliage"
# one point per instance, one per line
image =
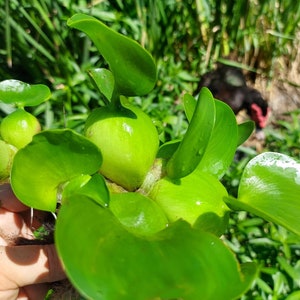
(186, 39)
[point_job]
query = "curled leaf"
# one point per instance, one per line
(192, 148)
(132, 66)
(222, 144)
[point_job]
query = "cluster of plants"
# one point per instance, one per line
(149, 209)
(36, 35)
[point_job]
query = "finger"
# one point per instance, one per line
(15, 225)
(12, 225)
(30, 292)
(25, 265)
(34, 291)
(9, 201)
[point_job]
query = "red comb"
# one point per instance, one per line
(257, 115)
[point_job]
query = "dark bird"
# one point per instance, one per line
(228, 84)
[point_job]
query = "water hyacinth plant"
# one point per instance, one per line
(149, 211)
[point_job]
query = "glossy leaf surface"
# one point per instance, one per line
(244, 131)
(7, 153)
(189, 106)
(137, 213)
(23, 94)
(104, 81)
(194, 143)
(270, 188)
(128, 141)
(167, 149)
(132, 66)
(49, 161)
(93, 187)
(106, 262)
(222, 144)
(196, 198)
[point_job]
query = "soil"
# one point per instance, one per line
(283, 90)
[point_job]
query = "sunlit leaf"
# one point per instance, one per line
(270, 188)
(104, 81)
(167, 149)
(133, 67)
(7, 153)
(223, 142)
(196, 198)
(189, 106)
(53, 157)
(194, 143)
(23, 94)
(93, 187)
(105, 261)
(139, 214)
(293, 296)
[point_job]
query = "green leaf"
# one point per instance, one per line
(54, 157)
(137, 213)
(194, 143)
(104, 81)
(23, 94)
(105, 261)
(244, 131)
(223, 142)
(289, 269)
(189, 106)
(167, 149)
(293, 296)
(270, 188)
(196, 198)
(93, 187)
(132, 66)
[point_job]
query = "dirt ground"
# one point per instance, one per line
(283, 91)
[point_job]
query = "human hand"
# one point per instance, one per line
(25, 270)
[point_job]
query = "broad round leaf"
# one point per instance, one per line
(222, 144)
(196, 198)
(23, 94)
(49, 161)
(106, 262)
(270, 188)
(133, 67)
(139, 214)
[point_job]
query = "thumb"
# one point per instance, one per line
(9, 201)
(30, 264)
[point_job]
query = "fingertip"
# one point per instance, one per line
(9, 201)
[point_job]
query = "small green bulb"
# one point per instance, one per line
(19, 127)
(7, 153)
(128, 141)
